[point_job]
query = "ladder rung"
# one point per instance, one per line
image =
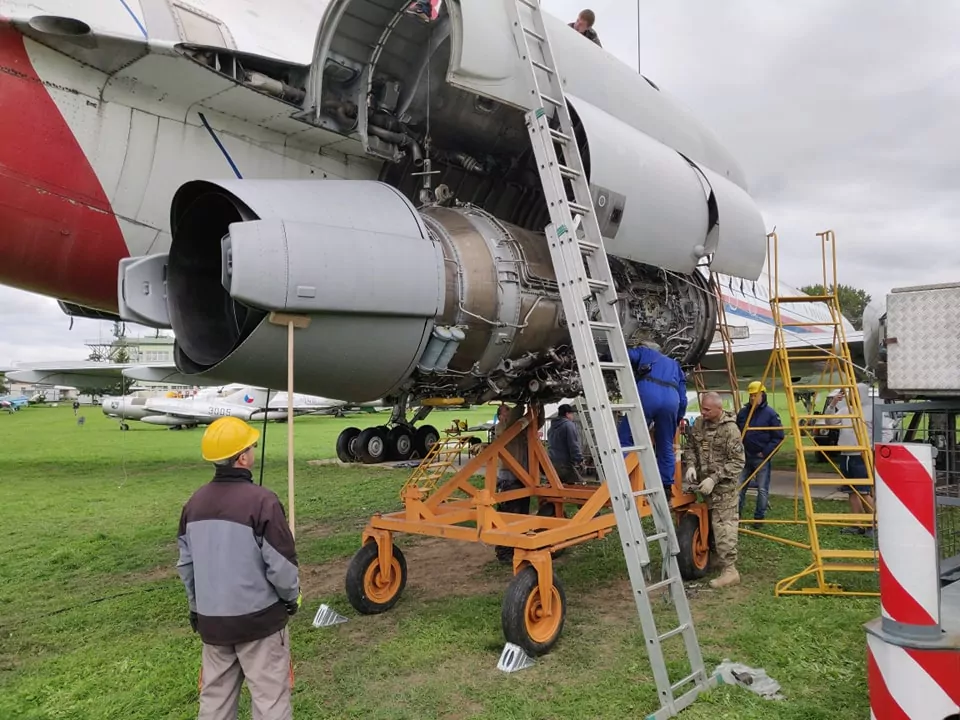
(569, 172)
(843, 517)
(835, 448)
(605, 326)
(849, 554)
(545, 68)
(825, 323)
(582, 210)
(657, 586)
(677, 630)
(847, 567)
(551, 100)
(530, 4)
(633, 448)
(611, 366)
(644, 493)
(622, 406)
(838, 481)
(597, 285)
(802, 298)
(656, 537)
(559, 136)
(688, 678)
(533, 33)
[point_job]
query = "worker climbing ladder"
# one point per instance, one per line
(586, 286)
(729, 371)
(837, 375)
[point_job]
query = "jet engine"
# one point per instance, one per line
(444, 301)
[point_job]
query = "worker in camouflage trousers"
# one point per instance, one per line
(714, 459)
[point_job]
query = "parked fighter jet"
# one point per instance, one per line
(247, 403)
(359, 143)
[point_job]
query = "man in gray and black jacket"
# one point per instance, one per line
(563, 444)
(238, 563)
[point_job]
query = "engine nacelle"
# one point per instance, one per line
(444, 301)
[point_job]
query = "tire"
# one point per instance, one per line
(124, 427)
(400, 442)
(518, 613)
(363, 583)
(693, 564)
(371, 446)
(346, 443)
(425, 438)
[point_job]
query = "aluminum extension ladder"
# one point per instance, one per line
(584, 276)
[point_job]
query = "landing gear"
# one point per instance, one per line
(346, 445)
(371, 445)
(380, 444)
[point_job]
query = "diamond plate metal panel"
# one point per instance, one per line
(923, 340)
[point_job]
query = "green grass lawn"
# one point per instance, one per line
(93, 619)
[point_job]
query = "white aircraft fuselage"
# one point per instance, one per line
(119, 108)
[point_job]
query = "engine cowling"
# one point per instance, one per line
(444, 301)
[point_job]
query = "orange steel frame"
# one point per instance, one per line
(533, 537)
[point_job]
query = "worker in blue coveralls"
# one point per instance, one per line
(662, 387)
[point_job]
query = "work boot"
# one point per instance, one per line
(729, 576)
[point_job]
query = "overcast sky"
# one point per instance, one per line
(843, 116)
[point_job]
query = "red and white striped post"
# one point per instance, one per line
(913, 666)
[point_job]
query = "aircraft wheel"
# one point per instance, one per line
(371, 446)
(400, 442)
(694, 549)
(346, 443)
(367, 590)
(124, 427)
(522, 617)
(425, 438)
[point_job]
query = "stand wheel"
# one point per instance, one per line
(371, 446)
(400, 442)
(425, 438)
(367, 590)
(694, 550)
(522, 617)
(346, 445)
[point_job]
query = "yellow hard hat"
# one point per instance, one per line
(755, 387)
(227, 437)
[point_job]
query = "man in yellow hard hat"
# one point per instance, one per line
(238, 563)
(761, 438)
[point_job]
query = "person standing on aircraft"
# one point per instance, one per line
(662, 387)
(760, 440)
(563, 444)
(238, 563)
(714, 460)
(424, 10)
(584, 25)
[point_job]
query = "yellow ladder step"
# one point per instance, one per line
(851, 518)
(849, 554)
(834, 448)
(838, 481)
(847, 567)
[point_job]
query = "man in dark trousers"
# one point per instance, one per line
(758, 446)
(584, 25)
(662, 387)
(239, 566)
(506, 479)
(563, 442)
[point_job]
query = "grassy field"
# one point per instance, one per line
(93, 619)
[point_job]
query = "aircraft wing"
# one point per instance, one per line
(86, 373)
(190, 75)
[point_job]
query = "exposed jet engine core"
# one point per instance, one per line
(446, 301)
